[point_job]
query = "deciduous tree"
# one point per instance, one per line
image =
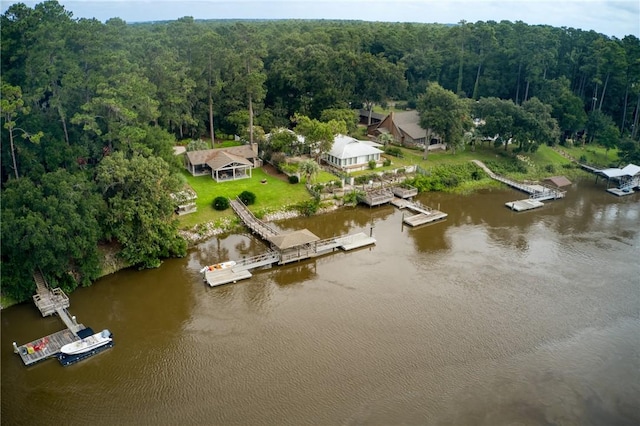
(140, 211)
(444, 113)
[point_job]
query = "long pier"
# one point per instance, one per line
(49, 301)
(537, 192)
(285, 248)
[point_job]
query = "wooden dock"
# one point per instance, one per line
(376, 197)
(523, 205)
(536, 191)
(44, 348)
(286, 248)
(423, 214)
(404, 191)
(49, 301)
(240, 271)
(621, 192)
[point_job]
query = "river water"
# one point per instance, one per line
(488, 318)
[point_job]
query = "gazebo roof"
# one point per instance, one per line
(293, 239)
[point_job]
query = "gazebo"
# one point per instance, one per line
(294, 245)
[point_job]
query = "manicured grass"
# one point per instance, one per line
(273, 195)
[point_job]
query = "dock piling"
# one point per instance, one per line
(15, 347)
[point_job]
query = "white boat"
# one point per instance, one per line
(218, 266)
(88, 343)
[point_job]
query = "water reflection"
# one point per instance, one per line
(490, 317)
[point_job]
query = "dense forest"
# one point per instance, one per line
(91, 111)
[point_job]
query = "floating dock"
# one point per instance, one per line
(45, 347)
(523, 205)
(423, 214)
(621, 192)
(51, 301)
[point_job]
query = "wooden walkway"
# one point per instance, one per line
(240, 269)
(536, 191)
(49, 301)
(253, 223)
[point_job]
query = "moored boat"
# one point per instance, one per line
(218, 266)
(88, 343)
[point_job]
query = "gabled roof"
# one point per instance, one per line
(559, 181)
(374, 115)
(409, 122)
(233, 153)
(293, 239)
(220, 159)
(348, 147)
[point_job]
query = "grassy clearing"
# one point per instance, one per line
(594, 155)
(276, 194)
(273, 195)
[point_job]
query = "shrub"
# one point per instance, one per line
(386, 162)
(391, 150)
(247, 197)
(293, 179)
(550, 168)
(221, 203)
(309, 208)
(372, 164)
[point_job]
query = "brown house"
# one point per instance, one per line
(224, 163)
(406, 130)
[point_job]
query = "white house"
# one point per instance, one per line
(350, 154)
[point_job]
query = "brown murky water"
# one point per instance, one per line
(489, 318)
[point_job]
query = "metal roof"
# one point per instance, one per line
(348, 147)
(628, 170)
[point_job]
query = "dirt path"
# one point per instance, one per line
(273, 172)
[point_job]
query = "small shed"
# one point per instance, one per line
(558, 181)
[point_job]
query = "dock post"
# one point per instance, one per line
(73, 318)
(15, 347)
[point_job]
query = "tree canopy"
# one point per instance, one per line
(91, 111)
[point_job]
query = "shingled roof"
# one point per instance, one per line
(558, 181)
(293, 239)
(216, 158)
(409, 123)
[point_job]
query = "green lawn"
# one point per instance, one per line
(594, 155)
(270, 196)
